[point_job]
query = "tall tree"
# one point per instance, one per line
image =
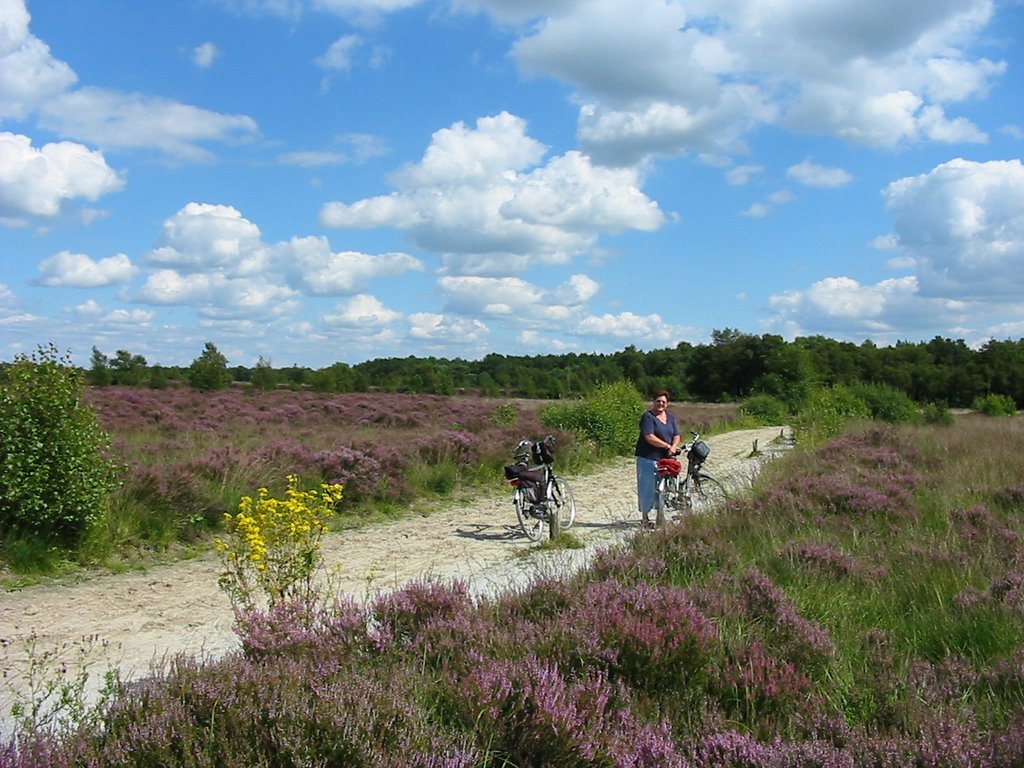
(209, 371)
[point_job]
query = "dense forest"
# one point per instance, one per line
(732, 367)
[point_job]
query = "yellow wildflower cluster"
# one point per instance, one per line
(272, 547)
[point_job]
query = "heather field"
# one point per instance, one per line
(187, 457)
(865, 607)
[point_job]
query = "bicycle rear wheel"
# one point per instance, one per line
(565, 503)
(708, 491)
(531, 526)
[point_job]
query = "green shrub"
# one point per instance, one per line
(765, 409)
(209, 371)
(995, 405)
(826, 412)
(938, 414)
(887, 403)
(54, 475)
(505, 415)
(608, 417)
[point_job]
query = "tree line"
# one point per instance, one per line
(734, 366)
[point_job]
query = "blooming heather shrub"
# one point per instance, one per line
(546, 598)
(651, 637)
(191, 454)
(690, 553)
(400, 616)
(461, 642)
(1009, 500)
(823, 558)
(628, 566)
(236, 714)
(757, 689)
(1006, 746)
(1008, 591)
(298, 629)
(727, 748)
(865, 474)
(534, 716)
(802, 642)
(1004, 680)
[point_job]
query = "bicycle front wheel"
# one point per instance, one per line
(565, 503)
(709, 491)
(661, 501)
(531, 526)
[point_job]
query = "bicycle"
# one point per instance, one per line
(696, 487)
(541, 498)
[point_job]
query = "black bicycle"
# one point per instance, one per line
(542, 499)
(695, 489)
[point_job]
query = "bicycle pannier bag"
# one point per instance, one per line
(542, 453)
(699, 451)
(668, 467)
(530, 480)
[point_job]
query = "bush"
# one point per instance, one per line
(609, 417)
(765, 409)
(826, 411)
(937, 413)
(209, 371)
(995, 405)
(54, 475)
(887, 403)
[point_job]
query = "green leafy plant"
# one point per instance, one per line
(209, 371)
(827, 411)
(995, 405)
(937, 413)
(765, 409)
(887, 403)
(54, 473)
(50, 692)
(505, 415)
(608, 417)
(272, 546)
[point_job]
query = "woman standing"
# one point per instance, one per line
(659, 438)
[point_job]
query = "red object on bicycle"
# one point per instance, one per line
(669, 467)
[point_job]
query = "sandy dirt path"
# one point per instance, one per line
(140, 618)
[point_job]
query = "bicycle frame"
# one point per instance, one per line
(693, 485)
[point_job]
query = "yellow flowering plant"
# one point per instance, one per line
(272, 546)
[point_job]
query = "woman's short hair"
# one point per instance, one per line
(662, 393)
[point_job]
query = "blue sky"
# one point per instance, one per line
(313, 181)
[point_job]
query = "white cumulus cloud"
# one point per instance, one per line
(37, 181)
(814, 175)
(361, 311)
(79, 271)
(204, 55)
(480, 197)
(963, 225)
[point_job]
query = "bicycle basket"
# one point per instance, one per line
(699, 452)
(542, 452)
(669, 467)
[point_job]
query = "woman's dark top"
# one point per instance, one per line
(649, 424)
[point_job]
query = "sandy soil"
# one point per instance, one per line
(136, 620)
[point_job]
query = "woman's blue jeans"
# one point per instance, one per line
(646, 483)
